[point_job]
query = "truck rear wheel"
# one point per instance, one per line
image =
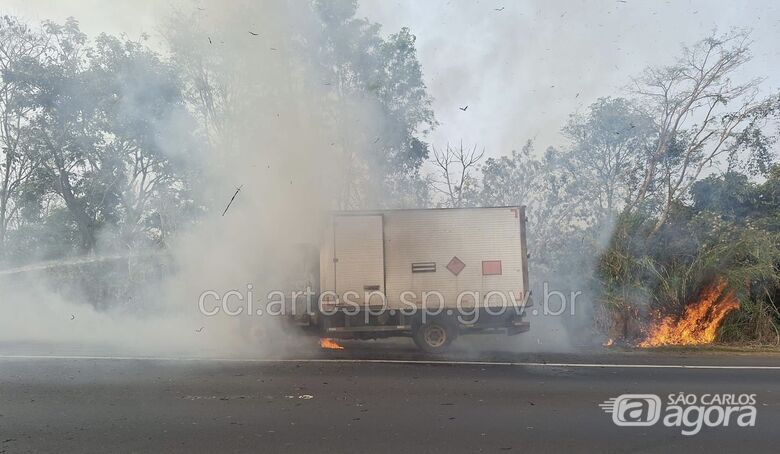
(434, 336)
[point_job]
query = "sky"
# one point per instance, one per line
(521, 67)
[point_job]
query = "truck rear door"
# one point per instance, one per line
(358, 245)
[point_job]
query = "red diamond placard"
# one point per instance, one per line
(455, 266)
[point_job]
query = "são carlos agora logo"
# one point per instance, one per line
(690, 412)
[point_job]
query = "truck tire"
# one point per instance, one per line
(434, 336)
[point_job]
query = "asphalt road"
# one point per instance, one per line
(341, 402)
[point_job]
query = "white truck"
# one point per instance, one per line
(431, 274)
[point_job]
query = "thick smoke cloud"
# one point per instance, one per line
(271, 132)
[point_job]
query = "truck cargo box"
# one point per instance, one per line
(452, 252)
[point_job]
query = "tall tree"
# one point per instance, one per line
(65, 121)
(700, 115)
(100, 111)
(454, 177)
(365, 66)
(340, 74)
(150, 134)
(19, 46)
(608, 144)
(559, 206)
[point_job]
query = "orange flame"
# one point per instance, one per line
(330, 344)
(609, 342)
(699, 322)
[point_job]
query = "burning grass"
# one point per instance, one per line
(698, 324)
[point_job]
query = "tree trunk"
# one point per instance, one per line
(4, 197)
(661, 221)
(2, 234)
(3, 224)
(76, 209)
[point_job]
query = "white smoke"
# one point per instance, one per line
(273, 131)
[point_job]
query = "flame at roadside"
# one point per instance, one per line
(330, 344)
(699, 323)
